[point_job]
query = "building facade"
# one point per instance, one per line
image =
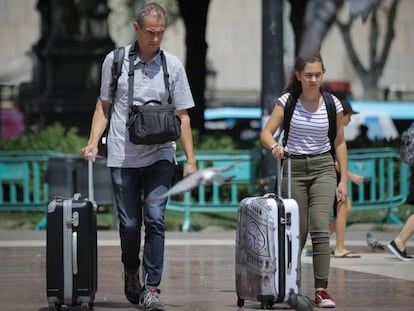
(234, 45)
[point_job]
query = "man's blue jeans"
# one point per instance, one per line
(128, 185)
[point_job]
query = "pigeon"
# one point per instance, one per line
(300, 302)
(374, 243)
(207, 176)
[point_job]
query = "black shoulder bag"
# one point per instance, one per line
(152, 122)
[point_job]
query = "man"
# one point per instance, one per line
(142, 171)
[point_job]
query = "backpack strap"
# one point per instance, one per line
(288, 113)
(119, 54)
(116, 71)
(331, 111)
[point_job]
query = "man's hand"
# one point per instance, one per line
(89, 149)
(190, 168)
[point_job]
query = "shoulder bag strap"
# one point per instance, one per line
(166, 75)
(132, 56)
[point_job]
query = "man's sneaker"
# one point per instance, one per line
(150, 300)
(402, 255)
(132, 286)
(324, 300)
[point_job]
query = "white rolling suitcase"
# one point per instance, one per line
(268, 249)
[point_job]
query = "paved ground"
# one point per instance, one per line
(199, 274)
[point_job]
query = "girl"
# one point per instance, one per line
(313, 169)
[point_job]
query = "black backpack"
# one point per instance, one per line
(331, 110)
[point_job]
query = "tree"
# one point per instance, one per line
(194, 14)
(370, 74)
(311, 19)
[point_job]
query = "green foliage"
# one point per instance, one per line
(55, 138)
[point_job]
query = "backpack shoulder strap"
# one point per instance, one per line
(288, 113)
(119, 54)
(331, 110)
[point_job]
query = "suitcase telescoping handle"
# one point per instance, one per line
(279, 174)
(90, 177)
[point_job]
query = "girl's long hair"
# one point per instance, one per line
(294, 85)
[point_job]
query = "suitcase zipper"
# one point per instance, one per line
(281, 250)
(67, 252)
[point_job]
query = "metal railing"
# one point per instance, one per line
(24, 185)
(386, 180)
(214, 198)
(385, 186)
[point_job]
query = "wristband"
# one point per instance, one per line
(274, 146)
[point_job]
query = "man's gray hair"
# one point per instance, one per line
(151, 9)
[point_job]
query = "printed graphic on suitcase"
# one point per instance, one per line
(267, 250)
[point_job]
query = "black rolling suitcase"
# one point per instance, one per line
(71, 250)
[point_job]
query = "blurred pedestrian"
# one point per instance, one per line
(362, 140)
(343, 209)
(398, 245)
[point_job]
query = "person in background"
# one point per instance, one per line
(362, 139)
(343, 209)
(141, 172)
(313, 181)
(398, 245)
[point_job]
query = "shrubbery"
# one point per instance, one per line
(57, 138)
(53, 138)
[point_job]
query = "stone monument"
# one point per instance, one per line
(67, 63)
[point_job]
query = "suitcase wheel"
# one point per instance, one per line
(266, 305)
(85, 306)
(53, 307)
(240, 302)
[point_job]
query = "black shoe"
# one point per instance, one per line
(402, 255)
(132, 286)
